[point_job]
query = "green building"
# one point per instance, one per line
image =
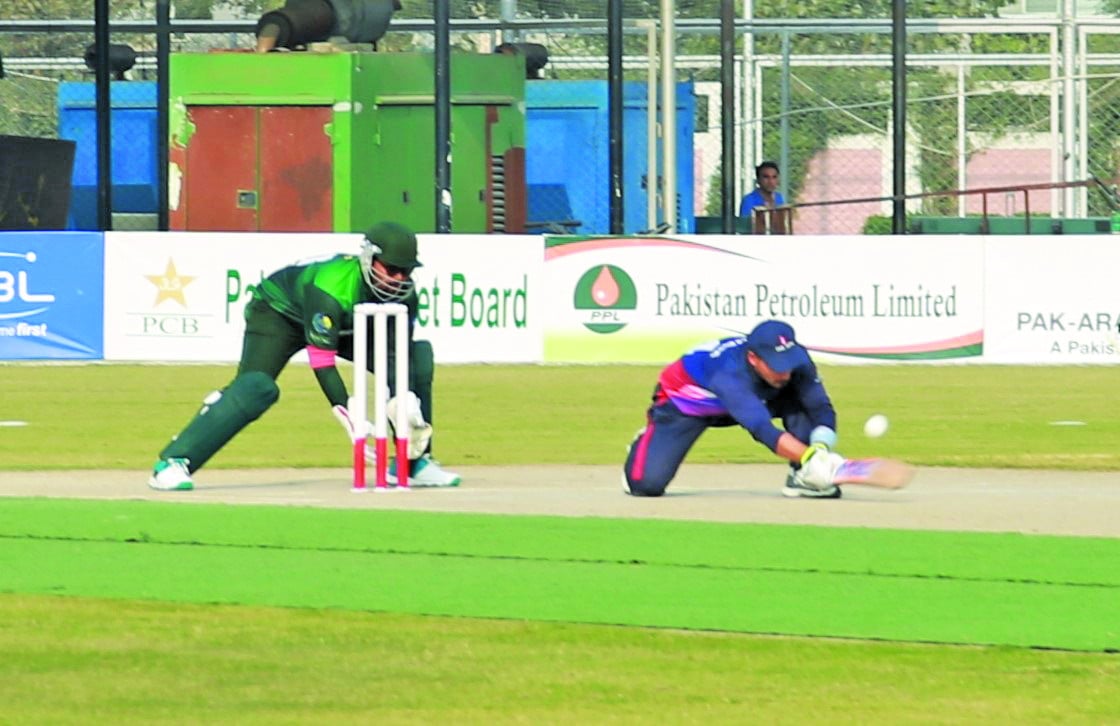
(334, 141)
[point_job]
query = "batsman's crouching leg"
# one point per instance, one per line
(223, 414)
(658, 450)
(644, 475)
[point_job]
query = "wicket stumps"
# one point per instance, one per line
(380, 312)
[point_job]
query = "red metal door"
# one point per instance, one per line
(220, 179)
(296, 169)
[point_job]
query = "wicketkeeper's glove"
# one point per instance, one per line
(818, 467)
(420, 431)
(353, 432)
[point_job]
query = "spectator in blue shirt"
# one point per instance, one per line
(766, 192)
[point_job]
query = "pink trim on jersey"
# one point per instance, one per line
(686, 394)
(320, 357)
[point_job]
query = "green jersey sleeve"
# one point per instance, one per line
(331, 292)
(320, 296)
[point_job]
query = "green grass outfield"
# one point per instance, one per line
(168, 612)
(120, 416)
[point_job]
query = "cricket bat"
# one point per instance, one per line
(884, 473)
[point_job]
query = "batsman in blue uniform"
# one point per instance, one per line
(741, 381)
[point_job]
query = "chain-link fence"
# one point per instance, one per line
(1097, 149)
(978, 114)
(991, 103)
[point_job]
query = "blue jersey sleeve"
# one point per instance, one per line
(747, 407)
(721, 369)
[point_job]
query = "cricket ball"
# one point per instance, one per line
(876, 426)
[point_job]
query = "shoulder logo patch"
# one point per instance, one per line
(322, 323)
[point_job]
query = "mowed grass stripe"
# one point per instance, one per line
(1087, 561)
(654, 595)
(66, 660)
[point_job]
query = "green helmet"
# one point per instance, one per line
(394, 245)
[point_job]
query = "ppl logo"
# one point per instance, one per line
(784, 344)
(606, 295)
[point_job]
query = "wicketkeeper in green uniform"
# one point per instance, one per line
(312, 306)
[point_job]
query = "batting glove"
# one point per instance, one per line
(819, 467)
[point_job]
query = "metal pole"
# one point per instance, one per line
(1081, 110)
(104, 106)
(1069, 146)
(614, 105)
(728, 205)
(1056, 144)
(442, 16)
(898, 55)
(653, 175)
(784, 124)
(962, 139)
(669, 111)
(163, 76)
(509, 13)
(751, 83)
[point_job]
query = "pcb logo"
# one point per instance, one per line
(606, 294)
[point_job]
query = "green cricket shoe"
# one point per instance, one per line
(171, 475)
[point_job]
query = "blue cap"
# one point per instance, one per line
(774, 343)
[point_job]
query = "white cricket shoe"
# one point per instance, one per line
(425, 472)
(171, 475)
(794, 488)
